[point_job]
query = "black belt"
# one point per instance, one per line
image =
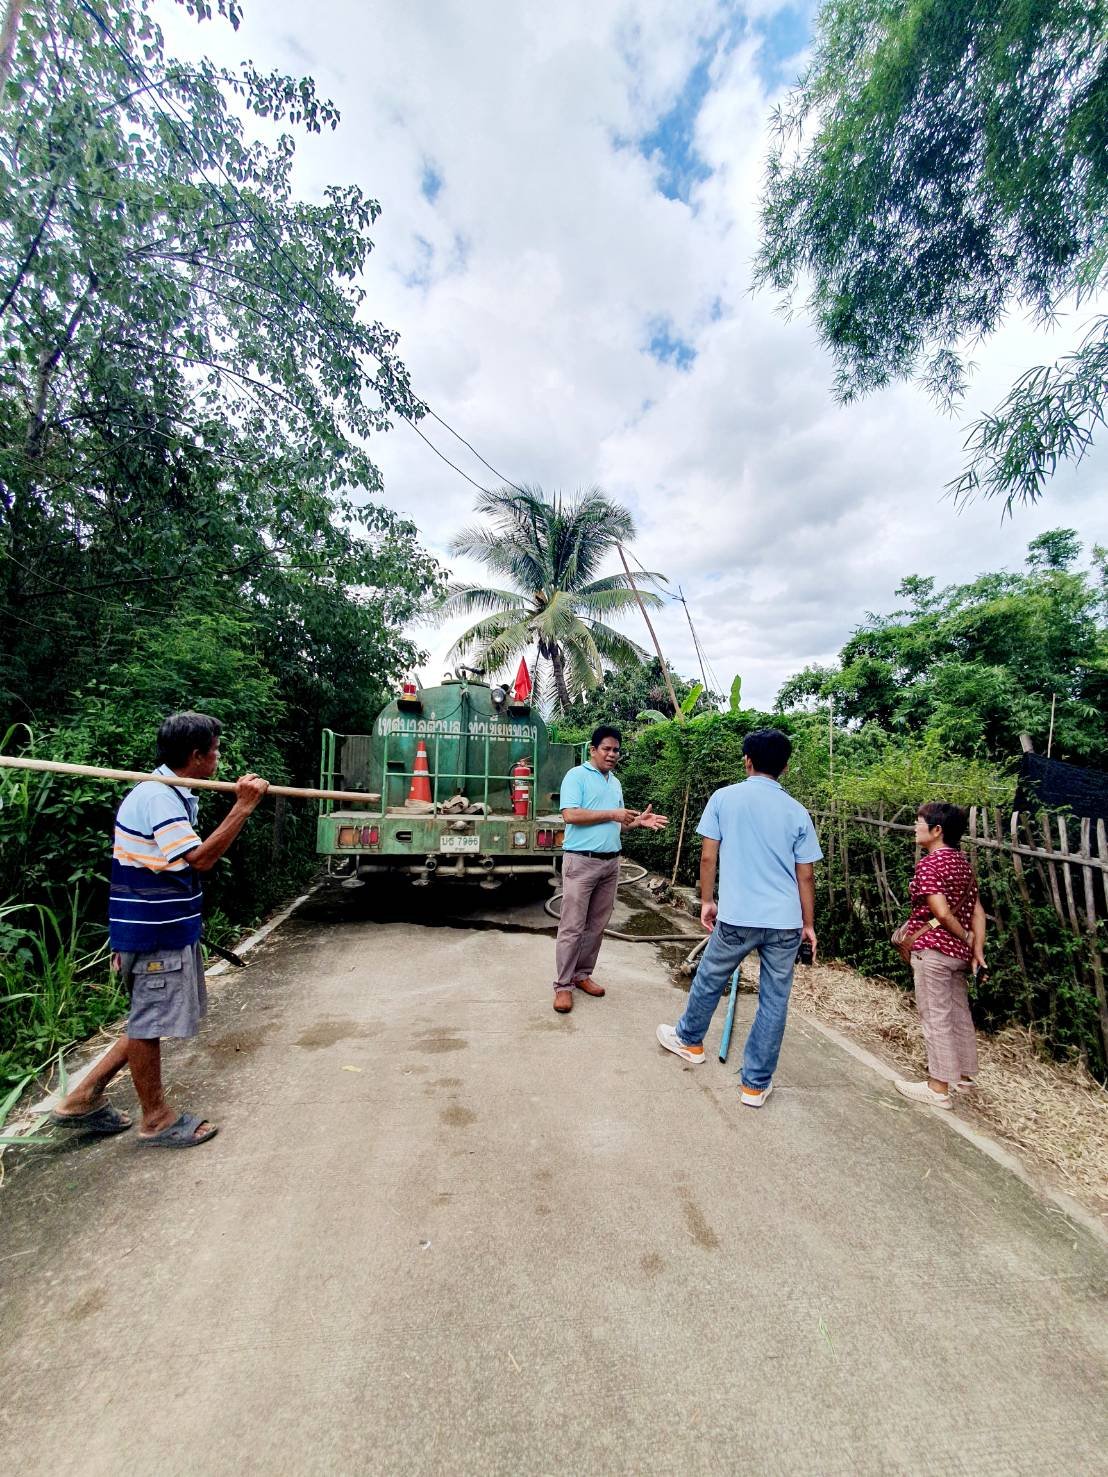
(602, 855)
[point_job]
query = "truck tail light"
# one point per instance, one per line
(559, 838)
(371, 836)
(348, 836)
(544, 839)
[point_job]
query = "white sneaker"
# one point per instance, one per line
(668, 1037)
(754, 1097)
(923, 1092)
(965, 1084)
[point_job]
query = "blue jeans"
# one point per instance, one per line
(727, 948)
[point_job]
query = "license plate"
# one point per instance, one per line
(459, 843)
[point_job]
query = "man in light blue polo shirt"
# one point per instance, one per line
(765, 845)
(591, 800)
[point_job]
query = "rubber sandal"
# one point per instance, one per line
(179, 1135)
(103, 1120)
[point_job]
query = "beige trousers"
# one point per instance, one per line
(943, 1005)
(588, 897)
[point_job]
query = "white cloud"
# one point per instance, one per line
(527, 289)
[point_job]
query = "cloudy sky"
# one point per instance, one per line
(569, 199)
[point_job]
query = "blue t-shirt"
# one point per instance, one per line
(585, 788)
(156, 898)
(763, 833)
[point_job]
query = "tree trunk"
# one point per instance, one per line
(557, 661)
(7, 40)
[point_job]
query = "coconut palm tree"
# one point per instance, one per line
(550, 550)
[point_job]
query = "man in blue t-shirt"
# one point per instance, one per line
(765, 846)
(154, 920)
(591, 800)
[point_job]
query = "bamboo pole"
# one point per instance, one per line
(1064, 847)
(1014, 852)
(677, 713)
(133, 776)
(1094, 939)
(680, 836)
(1005, 846)
(844, 858)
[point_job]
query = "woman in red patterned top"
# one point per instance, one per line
(949, 923)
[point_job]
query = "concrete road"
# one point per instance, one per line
(443, 1230)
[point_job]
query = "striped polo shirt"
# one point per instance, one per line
(156, 898)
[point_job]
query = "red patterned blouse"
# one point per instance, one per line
(947, 871)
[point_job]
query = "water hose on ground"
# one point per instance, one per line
(637, 938)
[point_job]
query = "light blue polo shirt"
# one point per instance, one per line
(585, 788)
(763, 833)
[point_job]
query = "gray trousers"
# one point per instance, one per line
(588, 897)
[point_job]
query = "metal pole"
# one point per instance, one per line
(677, 713)
(1050, 735)
(725, 1039)
(696, 643)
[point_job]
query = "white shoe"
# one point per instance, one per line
(965, 1084)
(923, 1092)
(754, 1097)
(668, 1037)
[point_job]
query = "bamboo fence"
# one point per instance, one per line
(1024, 861)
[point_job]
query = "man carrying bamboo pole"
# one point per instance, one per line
(154, 916)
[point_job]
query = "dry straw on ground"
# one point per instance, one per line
(1054, 1113)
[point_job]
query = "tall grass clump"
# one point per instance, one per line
(55, 989)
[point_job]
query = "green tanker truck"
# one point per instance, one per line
(467, 781)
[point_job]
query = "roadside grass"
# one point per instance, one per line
(55, 990)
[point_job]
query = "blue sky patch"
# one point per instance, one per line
(430, 183)
(423, 267)
(784, 33)
(667, 346)
(670, 144)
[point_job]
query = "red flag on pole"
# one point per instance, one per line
(523, 682)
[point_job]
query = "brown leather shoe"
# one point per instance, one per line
(563, 1001)
(590, 987)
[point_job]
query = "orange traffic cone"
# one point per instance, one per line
(421, 775)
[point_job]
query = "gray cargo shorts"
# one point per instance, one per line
(168, 995)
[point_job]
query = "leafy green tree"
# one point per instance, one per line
(188, 378)
(190, 381)
(628, 691)
(977, 664)
(940, 163)
(551, 551)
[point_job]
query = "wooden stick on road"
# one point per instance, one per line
(133, 776)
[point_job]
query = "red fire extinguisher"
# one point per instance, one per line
(521, 793)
